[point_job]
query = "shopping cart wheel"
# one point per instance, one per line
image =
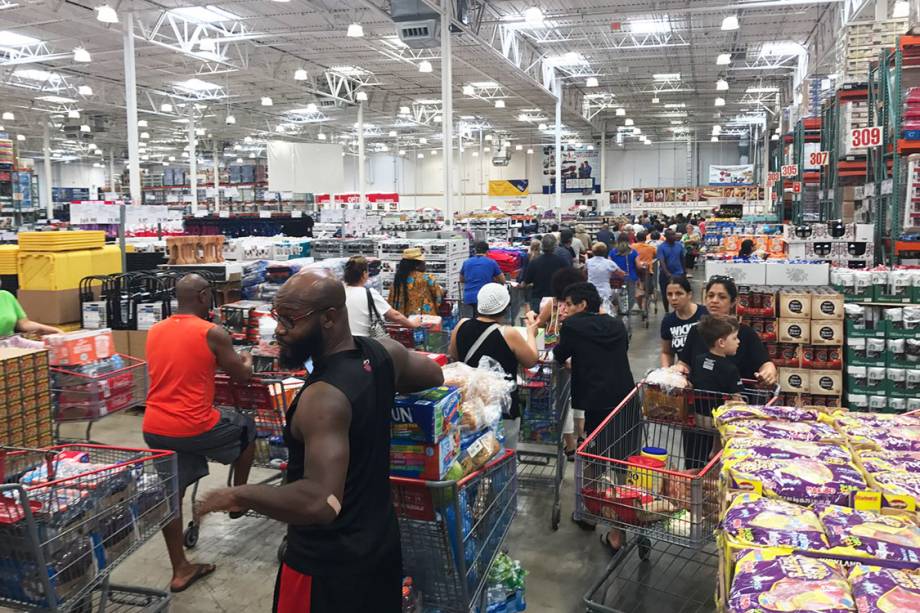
(282, 548)
(557, 514)
(191, 535)
(645, 548)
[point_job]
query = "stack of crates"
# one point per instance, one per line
(861, 44)
(444, 258)
(51, 265)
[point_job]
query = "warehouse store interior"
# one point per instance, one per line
(460, 306)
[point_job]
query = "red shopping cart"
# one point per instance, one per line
(654, 474)
(70, 514)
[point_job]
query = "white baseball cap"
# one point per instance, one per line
(492, 299)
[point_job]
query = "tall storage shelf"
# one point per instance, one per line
(897, 71)
(807, 135)
(846, 166)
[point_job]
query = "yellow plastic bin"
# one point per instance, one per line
(54, 271)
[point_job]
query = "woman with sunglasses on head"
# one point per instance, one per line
(414, 291)
(676, 325)
(751, 359)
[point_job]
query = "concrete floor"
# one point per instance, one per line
(562, 565)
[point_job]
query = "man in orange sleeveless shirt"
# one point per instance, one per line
(183, 353)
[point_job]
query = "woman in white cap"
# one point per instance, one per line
(485, 335)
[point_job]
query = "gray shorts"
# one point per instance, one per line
(223, 443)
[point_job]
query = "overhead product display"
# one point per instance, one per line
(643, 274)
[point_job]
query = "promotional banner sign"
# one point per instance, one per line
(736, 174)
(508, 187)
(580, 169)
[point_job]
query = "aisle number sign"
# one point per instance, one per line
(866, 137)
(790, 170)
(772, 177)
(818, 158)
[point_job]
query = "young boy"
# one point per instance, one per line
(712, 374)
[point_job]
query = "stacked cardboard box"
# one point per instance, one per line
(812, 321)
(425, 433)
(861, 44)
(854, 114)
(883, 358)
(25, 398)
(852, 248)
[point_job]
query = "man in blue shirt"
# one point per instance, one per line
(476, 272)
(671, 263)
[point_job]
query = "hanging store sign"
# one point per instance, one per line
(735, 174)
(797, 187)
(790, 170)
(580, 169)
(866, 137)
(772, 177)
(514, 188)
(818, 158)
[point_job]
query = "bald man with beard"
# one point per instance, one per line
(343, 551)
(183, 353)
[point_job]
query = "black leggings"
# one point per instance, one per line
(663, 284)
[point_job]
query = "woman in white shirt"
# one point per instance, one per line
(358, 298)
(601, 270)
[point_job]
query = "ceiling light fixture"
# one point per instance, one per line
(591, 82)
(469, 90)
(402, 152)
(488, 137)
(230, 120)
(628, 122)
(590, 147)
(361, 96)
(519, 147)
(200, 131)
(730, 23)
(541, 127)
(621, 112)
(724, 59)
(248, 140)
(81, 55)
(424, 66)
(666, 76)
(404, 110)
(499, 104)
(300, 74)
(475, 154)
(423, 141)
(901, 9)
(267, 101)
(530, 152)
(85, 128)
(355, 30)
(239, 160)
(145, 134)
(774, 137)
(85, 90)
(207, 44)
(392, 134)
(721, 85)
(420, 155)
(20, 137)
(321, 136)
(142, 123)
(714, 139)
(311, 107)
(655, 100)
(166, 108)
(720, 102)
(106, 14)
(533, 16)
(487, 149)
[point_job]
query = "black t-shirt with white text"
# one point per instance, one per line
(675, 329)
(752, 353)
(713, 373)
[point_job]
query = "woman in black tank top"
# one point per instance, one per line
(473, 339)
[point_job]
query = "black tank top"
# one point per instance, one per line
(365, 535)
(496, 347)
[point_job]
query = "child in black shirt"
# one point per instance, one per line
(714, 375)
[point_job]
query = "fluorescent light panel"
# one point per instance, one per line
(204, 14)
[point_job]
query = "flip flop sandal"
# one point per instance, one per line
(610, 548)
(203, 571)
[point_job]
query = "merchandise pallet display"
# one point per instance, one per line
(848, 540)
(842, 245)
(443, 259)
(806, 140)
(26, 414)
(845, 168)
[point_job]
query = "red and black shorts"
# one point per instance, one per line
(380, 592)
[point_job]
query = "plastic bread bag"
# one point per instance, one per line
(485, 391)
(734, 412)
(754, 520)
(771, 580)
(772, 430)
(885, 590)
(869, 533)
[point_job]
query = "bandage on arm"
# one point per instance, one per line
(333, 502)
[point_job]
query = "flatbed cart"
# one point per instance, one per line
(545, 402)
(70, 514)
(264, 398)
(666, 498)
(451, 532)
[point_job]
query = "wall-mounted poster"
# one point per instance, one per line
(508, 187)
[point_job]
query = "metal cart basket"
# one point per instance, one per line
(452, 530)
(70, 514)
(545, 400)
(670, 502)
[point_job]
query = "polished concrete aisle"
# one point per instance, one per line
(561, 565)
